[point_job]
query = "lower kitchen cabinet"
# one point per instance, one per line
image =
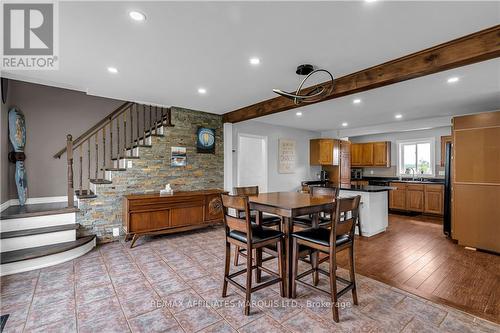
(421, 198)
(434, 199)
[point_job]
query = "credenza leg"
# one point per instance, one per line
(134, 239)
(128, 237)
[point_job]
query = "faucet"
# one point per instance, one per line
(412, 172)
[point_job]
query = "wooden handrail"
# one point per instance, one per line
(94, 129)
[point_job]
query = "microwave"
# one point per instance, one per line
(356, 173)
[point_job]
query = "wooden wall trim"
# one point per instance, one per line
(479, 46)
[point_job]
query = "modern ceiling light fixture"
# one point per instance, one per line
(254, 61)
(398, 116)
(137, 16)
(202, 91)
(453, 79)
(316, 94)
(113, 70)
(298, 114)
(356, 101)
(344, 124)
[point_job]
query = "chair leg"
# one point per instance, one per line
(226, 268)
(280, 267)
(295, 267)
(314, 265)
(352, 276)
(248, 290)
(236, 255)
(258, 263)
(333, 288)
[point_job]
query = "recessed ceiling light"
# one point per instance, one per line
(112, 70)
(137, 16)
(453, 79)
(202, 91)
(356, 101)
(398, 116)
(298, 114)
(254, 61)
(370, 0)
(344, 124)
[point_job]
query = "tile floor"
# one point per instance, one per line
(173, 284)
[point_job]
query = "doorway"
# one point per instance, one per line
(252, 161)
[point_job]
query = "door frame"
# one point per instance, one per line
(266, 152)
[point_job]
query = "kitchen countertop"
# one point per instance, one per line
(407, 180)
(367, 188)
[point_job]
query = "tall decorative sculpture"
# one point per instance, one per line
(17, 136)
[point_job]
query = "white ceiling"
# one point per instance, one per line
(186, 45)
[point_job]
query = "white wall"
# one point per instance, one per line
(277, 181)
(409, 135)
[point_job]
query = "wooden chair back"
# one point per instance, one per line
(345, 218)
(240, 204)
(327, 191)
(246, 190)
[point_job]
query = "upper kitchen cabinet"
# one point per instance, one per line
(324, 152)
(371, 154)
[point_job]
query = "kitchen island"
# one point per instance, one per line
(374, 207)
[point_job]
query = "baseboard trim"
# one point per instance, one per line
(31, 201)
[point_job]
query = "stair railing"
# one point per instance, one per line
(120, 132)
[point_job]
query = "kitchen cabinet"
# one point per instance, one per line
(371, 154)
(345, 163)
(324, 152)
(359, 182)
(382, 154)
(414, 197)
(356, 154)
(397, 197)
(434, 199)
(444, 140)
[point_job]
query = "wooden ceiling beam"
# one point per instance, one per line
(479, 46)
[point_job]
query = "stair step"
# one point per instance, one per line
(31, 210)
(126, 157)
(141, 146)
(100, 181)
(115, 169)
(87, 196)
(41, 251)
(38, 231)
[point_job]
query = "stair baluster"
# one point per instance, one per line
(80, 152)
(96, 155)
(150, 122)
(131, 127)
(161, 113)
(138, 127)
(69, 155)
(104, 152)
(111, 139)
(143, 125)
(88, 153)
(118, 138)
(169, 117)
(124, 135)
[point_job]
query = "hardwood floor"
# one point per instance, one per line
(414, 255)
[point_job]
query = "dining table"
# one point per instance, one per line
(289, 205)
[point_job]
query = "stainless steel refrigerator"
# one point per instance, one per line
(447, 190)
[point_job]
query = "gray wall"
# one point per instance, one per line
(278, 181)
(394, 137)
(50, 114)
(4, 163)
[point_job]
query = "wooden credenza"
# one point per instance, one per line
(146, 214)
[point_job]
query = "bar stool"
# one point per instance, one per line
(245, 234)
(324, 219)
(267, 219)
(338, 238)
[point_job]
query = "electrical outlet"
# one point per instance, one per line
(441, 173)
(129, 164)
(371, 172)
(116, 232)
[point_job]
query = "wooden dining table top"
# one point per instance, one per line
(290, 200)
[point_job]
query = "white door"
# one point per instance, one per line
(252, 161)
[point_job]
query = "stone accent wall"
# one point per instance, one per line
(152, 171)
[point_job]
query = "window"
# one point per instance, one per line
(416, 156)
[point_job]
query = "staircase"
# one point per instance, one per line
(110, 145)
(41, 235)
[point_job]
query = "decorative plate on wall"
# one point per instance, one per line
(205, 140)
